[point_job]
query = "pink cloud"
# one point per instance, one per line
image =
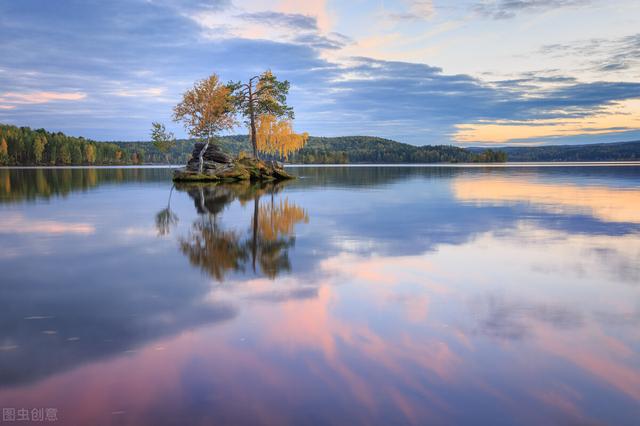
(39, 97)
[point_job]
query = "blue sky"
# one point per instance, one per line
(471, 72)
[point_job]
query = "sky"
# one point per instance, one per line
(468, 72)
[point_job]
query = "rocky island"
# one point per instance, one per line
(209, 164)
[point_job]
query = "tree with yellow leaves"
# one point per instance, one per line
(205, 110)
(261, 95)
(4, 152)
(276, 136)
(90, 153)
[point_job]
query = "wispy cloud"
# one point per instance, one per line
(505, 9)
(12, 100)
(149, 92)
(289, 20)
(615, 118)
(601, 54)
(415, 10)
(40, 97)
(102, 56)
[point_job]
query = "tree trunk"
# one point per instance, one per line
(252, 121)
(254, 142)
(201, 155)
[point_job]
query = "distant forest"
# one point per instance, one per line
(22, 146)
(619, 151)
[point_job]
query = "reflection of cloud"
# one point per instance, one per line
(361, 339)
(565, 400)
(86, 329)
(18, 224)
(139, 232)
(500, 318)
(284, 295)
(310, 324)
(600, 356)
(604, 203)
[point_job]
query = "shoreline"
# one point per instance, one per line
(507, 164)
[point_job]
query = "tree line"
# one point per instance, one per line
(620, 151)
(373, 150)
(22, 146)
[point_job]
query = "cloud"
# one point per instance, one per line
(600, 54)
(290, 28)
(506, 9)
(618, 117)
(416, 10)
(152, 51)
(151, 91)
(332, 41)
(40, 97)
(289, 20)
(391, 98)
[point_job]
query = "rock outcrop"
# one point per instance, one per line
(218, 166)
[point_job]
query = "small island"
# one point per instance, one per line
(220, 167)
(211, 107)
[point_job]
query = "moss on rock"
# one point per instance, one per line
(239, 169)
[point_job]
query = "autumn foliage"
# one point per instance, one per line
(278, 220)
(276, 136)
(206, 109)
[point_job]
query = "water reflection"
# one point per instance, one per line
(360, 295)
(263, 245)
(166, 218)
(603, 203)
(18, 185)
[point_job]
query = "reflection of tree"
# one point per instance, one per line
(266, 244)
(215, 251)
(272, 234)
(166, 218)
(277, 220)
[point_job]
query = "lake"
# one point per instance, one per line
(385, 295)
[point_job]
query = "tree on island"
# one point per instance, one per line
(276, 137)
(263, 98)
(162, 140)
(206, 110)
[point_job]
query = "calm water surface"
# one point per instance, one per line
(386, 295)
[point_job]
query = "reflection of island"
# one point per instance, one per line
(265, 245)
